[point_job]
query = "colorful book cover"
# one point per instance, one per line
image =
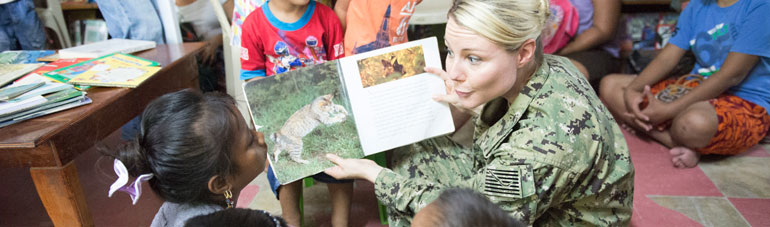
(51, 66)
(114, 70)
(23, 56)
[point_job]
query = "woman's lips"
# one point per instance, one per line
(462, 94)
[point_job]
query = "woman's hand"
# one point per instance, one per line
(348, 168)
(633, 98)
(451, 97)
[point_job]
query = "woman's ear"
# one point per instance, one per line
(526, 52)
(218, 184)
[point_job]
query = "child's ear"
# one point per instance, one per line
(218, 185)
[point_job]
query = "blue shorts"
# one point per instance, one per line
(322, 177)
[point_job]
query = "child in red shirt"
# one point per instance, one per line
(280, 36)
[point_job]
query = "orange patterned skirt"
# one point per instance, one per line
(742, 124)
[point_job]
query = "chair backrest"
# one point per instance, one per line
(232, 57)
(52, 17)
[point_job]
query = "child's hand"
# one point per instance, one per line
(633, 98)
(348, 168)
(451, 97)
(658, 111)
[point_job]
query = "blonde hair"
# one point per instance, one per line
(507, 23)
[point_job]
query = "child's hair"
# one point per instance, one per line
(236, 217)
(185, 138)
(465, 207)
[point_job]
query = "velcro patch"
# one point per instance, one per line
(503, 182)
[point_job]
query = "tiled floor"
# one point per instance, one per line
(721, 191)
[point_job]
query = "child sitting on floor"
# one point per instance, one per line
(463, 207)
(723, 108)
(284, 35)
(195, 150)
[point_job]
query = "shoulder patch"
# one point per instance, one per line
(504, 181)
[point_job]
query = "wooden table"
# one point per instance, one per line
(48, 145)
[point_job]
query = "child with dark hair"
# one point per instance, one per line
(196, 151)
(463, 207)
(237, 217)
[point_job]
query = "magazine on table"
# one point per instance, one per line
(353, 107)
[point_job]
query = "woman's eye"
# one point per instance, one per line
(474, 59)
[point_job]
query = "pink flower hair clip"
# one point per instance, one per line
(134, 189)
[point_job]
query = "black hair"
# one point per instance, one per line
(465, 207)
(237, 217)
(185, 138)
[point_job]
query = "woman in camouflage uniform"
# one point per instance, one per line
(544, 149)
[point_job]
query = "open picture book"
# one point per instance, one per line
(353, 107)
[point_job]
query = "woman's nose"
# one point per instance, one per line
(455, 71)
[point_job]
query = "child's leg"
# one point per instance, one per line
(726, 125)
(611, 92)
(341, 196)
(690, 130)
(289, 198)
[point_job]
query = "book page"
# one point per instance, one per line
(304, 115)
(391, 95)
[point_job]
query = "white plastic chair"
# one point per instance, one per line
(52, 18)
(430, 12)
(233, 82)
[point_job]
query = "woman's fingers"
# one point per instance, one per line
(338, 172)
(352, 168)
(437, 71)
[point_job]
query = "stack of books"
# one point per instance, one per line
(23, 101)
(40, 89)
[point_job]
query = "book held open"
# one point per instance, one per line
(353, 107)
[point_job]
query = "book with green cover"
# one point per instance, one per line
(45, 110)
(49, 99)
(10, 72)
(10, 92)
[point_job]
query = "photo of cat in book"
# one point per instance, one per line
(321, 110)
(304, 114)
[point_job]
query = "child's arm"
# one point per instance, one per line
(606, 15)
(333, 38)
(341, 9)
(252, 57)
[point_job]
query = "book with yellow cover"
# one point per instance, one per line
(114, 70)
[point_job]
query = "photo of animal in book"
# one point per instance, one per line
(304, 115)
(391, 66)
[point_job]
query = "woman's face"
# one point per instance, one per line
(478, 69)
(248, 155)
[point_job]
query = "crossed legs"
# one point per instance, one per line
(690, 130)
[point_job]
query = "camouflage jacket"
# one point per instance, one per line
(553, 157)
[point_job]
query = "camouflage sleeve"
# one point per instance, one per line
(403, 194)
(523, 187)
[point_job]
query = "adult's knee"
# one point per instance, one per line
(694, 129)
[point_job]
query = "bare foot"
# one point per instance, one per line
(683, 157)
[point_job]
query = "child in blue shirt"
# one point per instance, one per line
(724, 113)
